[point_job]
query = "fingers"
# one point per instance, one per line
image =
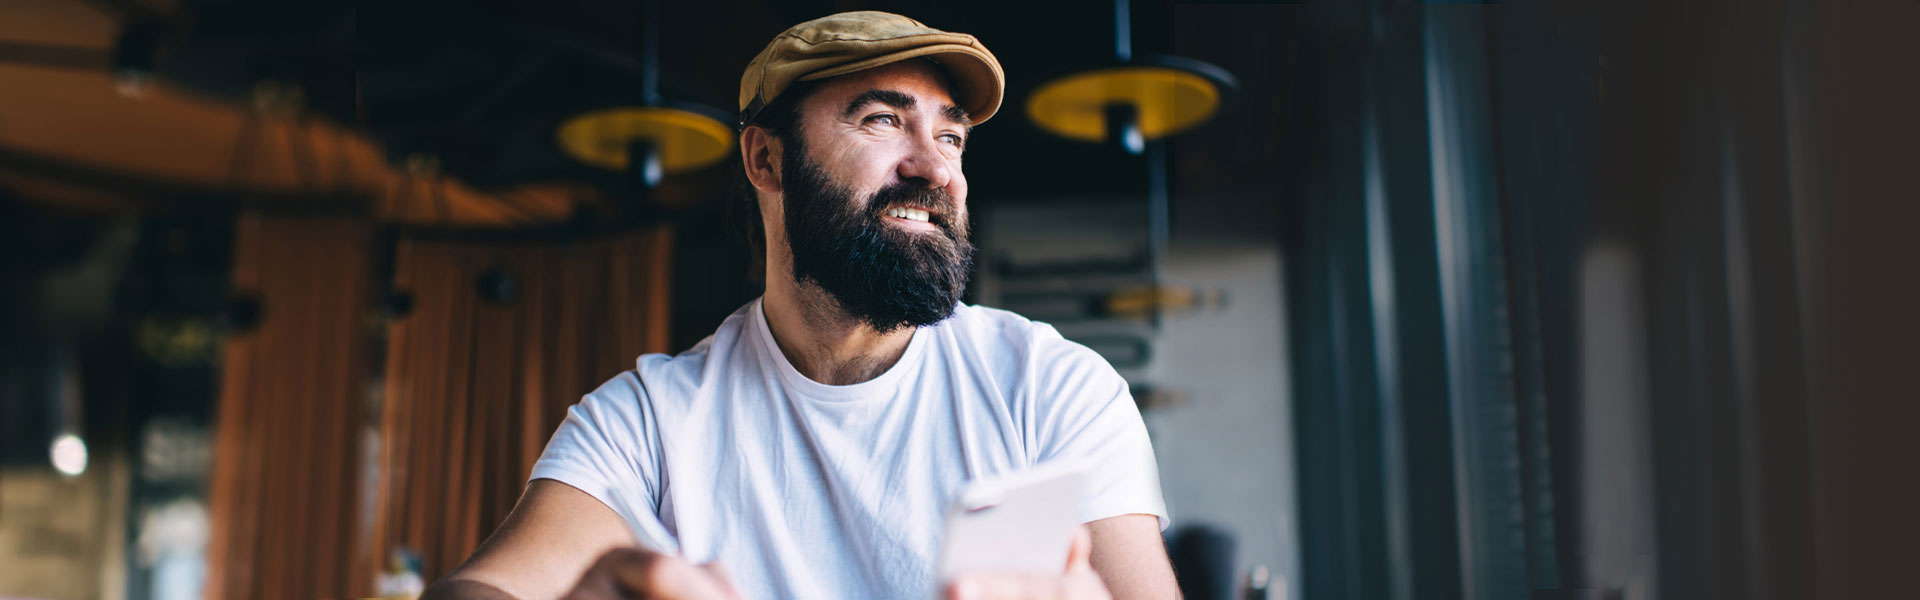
(1080, 553)
(1020, 586)
(719, 573)
(662, 577)
(1080, 584)
(636, 573)
(1077, 582)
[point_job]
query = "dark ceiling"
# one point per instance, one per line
(483, 85)
(480, 86)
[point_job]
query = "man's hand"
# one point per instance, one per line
(633, 573)
(1078, 582)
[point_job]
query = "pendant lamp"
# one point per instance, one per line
(1130, 105)
(1134, 100)
(659, 137)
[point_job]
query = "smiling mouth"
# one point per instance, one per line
(910, 214)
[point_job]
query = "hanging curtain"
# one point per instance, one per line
(284, 494)
(476, 385)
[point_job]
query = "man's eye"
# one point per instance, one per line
(888, 118)
(954, 139)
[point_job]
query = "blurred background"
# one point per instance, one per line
(1534, 300)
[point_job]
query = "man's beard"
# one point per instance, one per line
(879, 274)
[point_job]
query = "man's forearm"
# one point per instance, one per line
(464, 589)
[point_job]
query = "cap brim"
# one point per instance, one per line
(975, 74)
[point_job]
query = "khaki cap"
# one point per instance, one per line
(855, 41)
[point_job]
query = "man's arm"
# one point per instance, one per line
(550, 538)
(1131, 557)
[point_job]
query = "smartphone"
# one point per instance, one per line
(1019, 522)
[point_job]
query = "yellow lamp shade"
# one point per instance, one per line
(686, 140)
(1168, 100)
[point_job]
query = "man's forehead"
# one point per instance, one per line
(918, 80)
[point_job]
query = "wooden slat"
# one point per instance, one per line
(340, 543)
(535, 383)
(252, 491)
(394, 415)
(502, 466)
(330, 354)
(620, 313)
(430, 309)
(495, 355)
(656, 298)
(574, 337)
(457, 402)
(232, 426)
(295, 311)
(434, 314)
(475, 390)
(279, 389)
(284, 493)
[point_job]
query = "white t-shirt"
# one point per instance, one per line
(807, 490)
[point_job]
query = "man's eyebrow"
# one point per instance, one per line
(887, 97)
(904, 102)
(958, 115)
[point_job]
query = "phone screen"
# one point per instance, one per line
(1020, 522)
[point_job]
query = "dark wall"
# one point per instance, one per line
(1690, 383)
(1855, 88)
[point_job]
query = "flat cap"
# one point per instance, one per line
(854, 41)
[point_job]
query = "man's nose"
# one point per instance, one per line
(925, 161)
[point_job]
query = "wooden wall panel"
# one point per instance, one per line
(474, 388)
(284, 507)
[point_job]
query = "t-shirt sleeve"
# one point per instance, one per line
(608, 448)
(1088, 416)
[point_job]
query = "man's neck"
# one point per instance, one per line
(822, 341)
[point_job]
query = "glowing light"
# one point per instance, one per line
(69, 454)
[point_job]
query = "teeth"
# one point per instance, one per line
(908, 213)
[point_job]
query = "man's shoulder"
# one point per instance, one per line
(1033, 341)
(658, 374)
(1059, 376)
(998, 327)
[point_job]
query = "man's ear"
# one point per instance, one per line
(760, 154)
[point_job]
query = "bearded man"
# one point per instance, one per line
(811, 444)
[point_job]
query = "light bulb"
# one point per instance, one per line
(69, 454)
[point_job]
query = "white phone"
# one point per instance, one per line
(1020, 522)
